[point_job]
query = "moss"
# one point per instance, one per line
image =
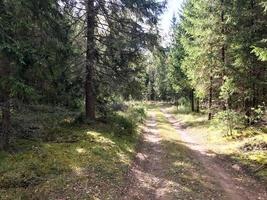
(69, 158)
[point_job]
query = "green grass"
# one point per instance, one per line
(230, 146)
(74, 161)
(185, 172)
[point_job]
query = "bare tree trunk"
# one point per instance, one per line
(192, 101)
(210, 98)
(197, 108)
(249, 102)
(223, 52)
(4, 134)
(5, 103)
(90, 96)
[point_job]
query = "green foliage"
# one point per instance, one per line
(120, 41)
(157, 70)
(261, 53)
(126, 123)
(183, 105)
(228, 120)
(256, 114)
(122, 125)
(218, 50)
(17, 89)
(137, 113)
(66, 152)
(38, 49)
(178, 80)
(227, 89)
(43, 52)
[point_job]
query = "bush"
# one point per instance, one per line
(121, 125)
(136, 114)
(256, 114)
(118, 107)
(125, 123)
(183, 105)
(228, 120)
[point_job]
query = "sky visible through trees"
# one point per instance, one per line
(172, 9)
(92, 53)
(95, 64)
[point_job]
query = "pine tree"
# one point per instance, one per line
(33, 48)
(223, 58)
(108, 24)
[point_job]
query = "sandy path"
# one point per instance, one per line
(144, 180)
(235, 188)
(203, 176)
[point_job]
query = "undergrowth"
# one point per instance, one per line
(232, 146)
(71, 160)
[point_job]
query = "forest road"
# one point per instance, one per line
(201, 175)
(143, 181)
(236, 185)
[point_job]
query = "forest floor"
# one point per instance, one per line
(172, 155)
(173, 164)
(54, 157)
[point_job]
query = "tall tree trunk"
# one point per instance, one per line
(254, 69)
(192, 101)
(90, 96)
(223, 51)
(210, 98)
(197, 108)
(250, 101)
(4, 134)
(5, 103)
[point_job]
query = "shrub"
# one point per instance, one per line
(228, 120)
(256, 114)
(125, 123)
(136, 114)
(121, 125)
(183, 105)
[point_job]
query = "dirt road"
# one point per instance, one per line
(171, 164)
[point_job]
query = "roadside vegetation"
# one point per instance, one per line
(68, 158)
(245, 147)
(74, 76)
(185, 172)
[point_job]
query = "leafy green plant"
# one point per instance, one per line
(261, 53)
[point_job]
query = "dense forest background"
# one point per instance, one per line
(75, 54)
(88, 55)
(95, 103)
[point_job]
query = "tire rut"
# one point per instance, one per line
(234, 189)
(144, 178)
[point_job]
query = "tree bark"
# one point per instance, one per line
(210, 98)
(197, 108)
(223, 52)
(5, 103)
(192, 101)
(90, 96)
(4, 136)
